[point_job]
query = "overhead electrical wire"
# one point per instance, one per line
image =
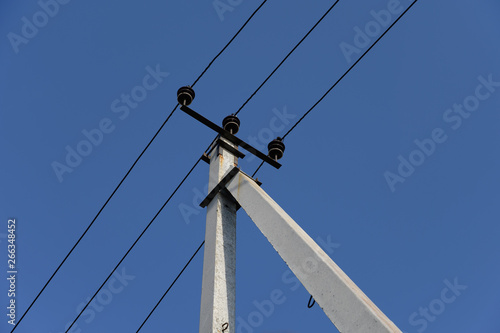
(281, 63)
(340, 79)
(350, 68)
(133, 245)
(286, 57)
(171, 285)
(130, 169)
(230, 41)
(331, 88)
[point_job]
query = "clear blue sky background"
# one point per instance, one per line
(399, 246)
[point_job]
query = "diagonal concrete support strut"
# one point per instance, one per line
(350, 310)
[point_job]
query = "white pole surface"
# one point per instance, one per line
(349, 309)
(219, 265)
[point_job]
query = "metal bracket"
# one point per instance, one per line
(205, 158)
(230, 149)
(222, 185)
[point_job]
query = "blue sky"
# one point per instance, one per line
(403, 241)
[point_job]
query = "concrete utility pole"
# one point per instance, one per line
(219, 265)
(349, 309)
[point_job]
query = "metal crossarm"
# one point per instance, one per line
(235, 140)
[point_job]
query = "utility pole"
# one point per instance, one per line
(348, 308)
(219, 263)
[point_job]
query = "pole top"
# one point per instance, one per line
(231, 125)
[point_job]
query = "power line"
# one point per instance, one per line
(286, 57)
(224, 48)
(130, 169)
(91, 223)
(258, 168)
(279, 65)
(337, 82)
(355, 63)
(309, 305)
(133, 245)
(171, 285)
